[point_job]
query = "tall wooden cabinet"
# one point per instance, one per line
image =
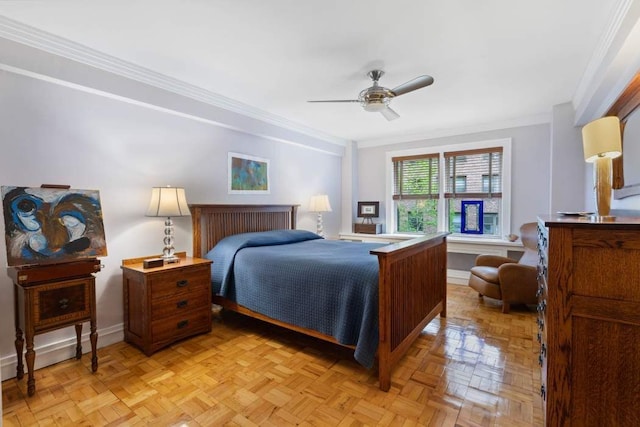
(589, 321)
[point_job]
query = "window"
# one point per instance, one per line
(495, 182)
(477, 166)
(416, 189)
(461, 184)
(428, 188)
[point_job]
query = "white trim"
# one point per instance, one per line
(31, 36)
(55, 352)
(442, 133)
(586, 83)
(612, 66)
(505, 143)
(154, 107)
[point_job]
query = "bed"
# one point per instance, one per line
(411, 276)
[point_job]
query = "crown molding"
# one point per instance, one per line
(598, 56)
(612, 64)
(443, 133)
(42, 40)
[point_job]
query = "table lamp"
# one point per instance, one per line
(602, 142)
(319, 204)
(168, 202)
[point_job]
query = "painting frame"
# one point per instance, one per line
(472, 217)
(368, 209)
(248, 174)
(52, 224)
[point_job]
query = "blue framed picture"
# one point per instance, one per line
(472, 214)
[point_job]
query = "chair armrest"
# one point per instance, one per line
(493, 260)
(519, 283)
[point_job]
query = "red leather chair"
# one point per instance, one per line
(513, 282)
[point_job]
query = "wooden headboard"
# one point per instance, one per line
(212, 223)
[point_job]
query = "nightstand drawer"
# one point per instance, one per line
(197, 298)
(180, 281)
(61, 303)
(176, 327)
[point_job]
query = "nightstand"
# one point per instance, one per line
(165, 304)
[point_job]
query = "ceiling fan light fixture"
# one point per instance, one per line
(374, 106)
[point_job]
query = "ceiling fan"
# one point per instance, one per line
(377, 98)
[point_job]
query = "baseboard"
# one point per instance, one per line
(457, 277)
(59, 351)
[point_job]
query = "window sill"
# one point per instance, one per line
(456, 239)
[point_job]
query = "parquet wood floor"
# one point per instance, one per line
(477, 367)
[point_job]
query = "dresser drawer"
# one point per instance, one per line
(196, 298)
(180, 326)
(62, 302)
(178, 282)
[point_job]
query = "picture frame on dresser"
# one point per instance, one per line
(368, 209)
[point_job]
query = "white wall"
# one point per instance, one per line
(530, 169)
(567, 162)
(56, 133)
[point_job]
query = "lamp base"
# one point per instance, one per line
(603, 218)
(602, 185)
(170, 259)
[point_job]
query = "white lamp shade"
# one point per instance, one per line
(320, 203)
(601, 138)
(168, 202)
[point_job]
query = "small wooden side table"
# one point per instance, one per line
(49, 297)
(165, 304)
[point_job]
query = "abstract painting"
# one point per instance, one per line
(50, 225)
(248, 174)
(472, 216)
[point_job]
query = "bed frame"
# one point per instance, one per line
(412, 275)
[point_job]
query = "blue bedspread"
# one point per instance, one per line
(297, 277)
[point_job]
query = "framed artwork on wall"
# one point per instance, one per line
(248, 174)
(472, 216)
(52, 225)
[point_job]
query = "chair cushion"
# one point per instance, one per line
(488, 274)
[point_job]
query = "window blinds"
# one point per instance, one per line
(416, 177)
(482, 170)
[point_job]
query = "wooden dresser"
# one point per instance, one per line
(589, 321)
(165, 304)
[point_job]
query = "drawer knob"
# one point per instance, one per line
(182, 324)
(182, 304)
(63, 303)
(182, 283)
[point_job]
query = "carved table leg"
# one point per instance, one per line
(19, 347)
(94, 343)
(31, 358)
(78, 340)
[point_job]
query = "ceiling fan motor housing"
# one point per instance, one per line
(375, 98)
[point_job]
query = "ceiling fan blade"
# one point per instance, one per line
(411, 85)
(337, 100)
(389, 114)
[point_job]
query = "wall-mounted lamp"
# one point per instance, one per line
(319, 204)
(602, 142)
(168, 202)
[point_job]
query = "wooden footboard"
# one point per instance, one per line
(412, 275)
(413, 290)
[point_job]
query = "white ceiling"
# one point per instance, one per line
(493, 61)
